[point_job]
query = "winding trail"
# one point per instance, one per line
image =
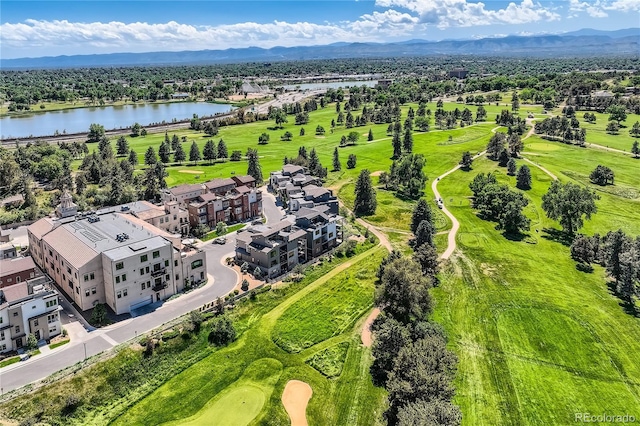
(451, 239)
(554, 177)
(606, 148)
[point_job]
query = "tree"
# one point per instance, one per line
(211, 128)
(511, 167)
(179, 155)
(582, 250)
(336, 161)
(568, 203)
(421, 412)
(133, 158)
(236, 155)
(511, 219)
(390, 337)
(496, 145)
(209, 152)
(466, 161)
(196, 320)
(407, 141)
(175, 142)
(396, 143)
(122, 146)
(515, 144)
(403, 292)
(503, 158)
(351, 161)
(222, 331)
(221, 228)
(96, 132)
(287, 136)
(301, 131)
(136, 129)
(194, 153)
(602, 176)
(370, 136)
(365, 195)
(143, 132)
(222, 149)
(635, 130)
(635, 149)
(254, 170)
(245, 285)
(164, 152)
(320, 130)
(279, 116)
(150, 157)
(613, 128)
(263, 139)
(99, 314)
(81, 183)
(353, 137)
(423, 235)
(421, 212)
(523, 178)
(481, 113)
(515, 102)
(427, 257)
(617, 113)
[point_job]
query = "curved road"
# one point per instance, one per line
(222, 280)
(451, 239)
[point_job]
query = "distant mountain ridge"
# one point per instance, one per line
(586, 42)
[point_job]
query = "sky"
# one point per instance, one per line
(51, 28)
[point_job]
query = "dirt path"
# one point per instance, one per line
(295, 397)
(606, 148)
(554, 177)
(367, 335)
(451, 240)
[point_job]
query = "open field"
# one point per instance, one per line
(543, 340)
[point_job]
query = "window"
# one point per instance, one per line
(197, 263)
(52, 318)
(156, 254)
(87, 293)
(3, 347)
(35, 323)
(202, 275)
(15, 314)
(17, 329)
(51, 303)
(143, 286)
(166, 263)
(144, 258)
(166, 277)
(272, 254)
(1, 320)
(125, 292)
(93, 290)
(18, 279)
(33, 307)
(177, 277)
(119, 295)
(64, 277)
(141, 271)
(117, 279)
(77, 290)
(175, 217)
(119, 265)
(330, 234)
(68, 270)
(31, 275)
(92, 276)
(71, 286)
(146, 269)
(175, 262)
(1, 335)
(50, 253)
(124, 277)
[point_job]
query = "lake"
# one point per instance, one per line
(111, 117)
(331, 85)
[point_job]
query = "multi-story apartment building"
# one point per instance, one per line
(114, 258)
(168, 217)
(310, 196)
(275, 249)
(220, 186)
(17, 269)
(322, 229)
(7, 250)
(30, 307)
(182, 194)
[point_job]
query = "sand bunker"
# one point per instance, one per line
(295, 398)
(378, 173)
(193, 172)
(367, 336)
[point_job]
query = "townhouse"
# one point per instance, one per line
(29, 307)
(17, 269)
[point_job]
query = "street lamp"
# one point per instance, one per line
(85, 351)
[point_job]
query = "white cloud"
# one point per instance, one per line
(624, 5)
(461, 13)
(592, 9)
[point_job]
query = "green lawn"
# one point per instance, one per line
(331, 360)
(58, 344)
(538, 340)
(329, 311)
(214, 234)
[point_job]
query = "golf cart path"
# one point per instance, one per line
(451, 239)
(295, 397)
(554, 177)
(367, 335)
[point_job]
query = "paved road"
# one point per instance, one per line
(224, 281)
(451, 239)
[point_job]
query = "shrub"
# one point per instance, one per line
(245, 285)
(71, 404)
(168, 335)
(99, 314)
(253, 295)
(149, 347)
(222, 332)
(195, 318)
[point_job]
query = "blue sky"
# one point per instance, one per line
(48, 28)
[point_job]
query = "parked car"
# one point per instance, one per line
(220, 240)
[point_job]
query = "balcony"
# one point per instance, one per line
(158, 287)
(158, 272)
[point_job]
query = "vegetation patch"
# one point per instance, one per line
(328, 311)
(329, 361)
(617, 189)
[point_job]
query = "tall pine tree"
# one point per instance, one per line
(365, 202)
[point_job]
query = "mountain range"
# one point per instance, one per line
(585, 42)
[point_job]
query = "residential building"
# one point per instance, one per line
(183, 193)
(458, 73)
(168, 217)
(7, 250)
(275, 249)
(29, 307)
(220, 186)
(322, 229)
(113, 257)
(310, 196)
(16, 270)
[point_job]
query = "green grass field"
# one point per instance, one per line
(538, 340)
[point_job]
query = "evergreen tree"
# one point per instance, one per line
(407, 140)
(150, 157)
(209, 153)
(365, 202)
(81, 183)
(635, 149)
(523, 178)
(336, 161)
(122, 146)
(179, 155)
(370, 136)
(194, 153)
(175, 142)
(496, 145)
(164, 152)
(466, 161)
(511, 167)
(254, 170)
(315, 168)
(421, 212)
(351, 161)
(222, 149)
(301, 131)
(397, 145)
(133, 158)
(503, 159)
